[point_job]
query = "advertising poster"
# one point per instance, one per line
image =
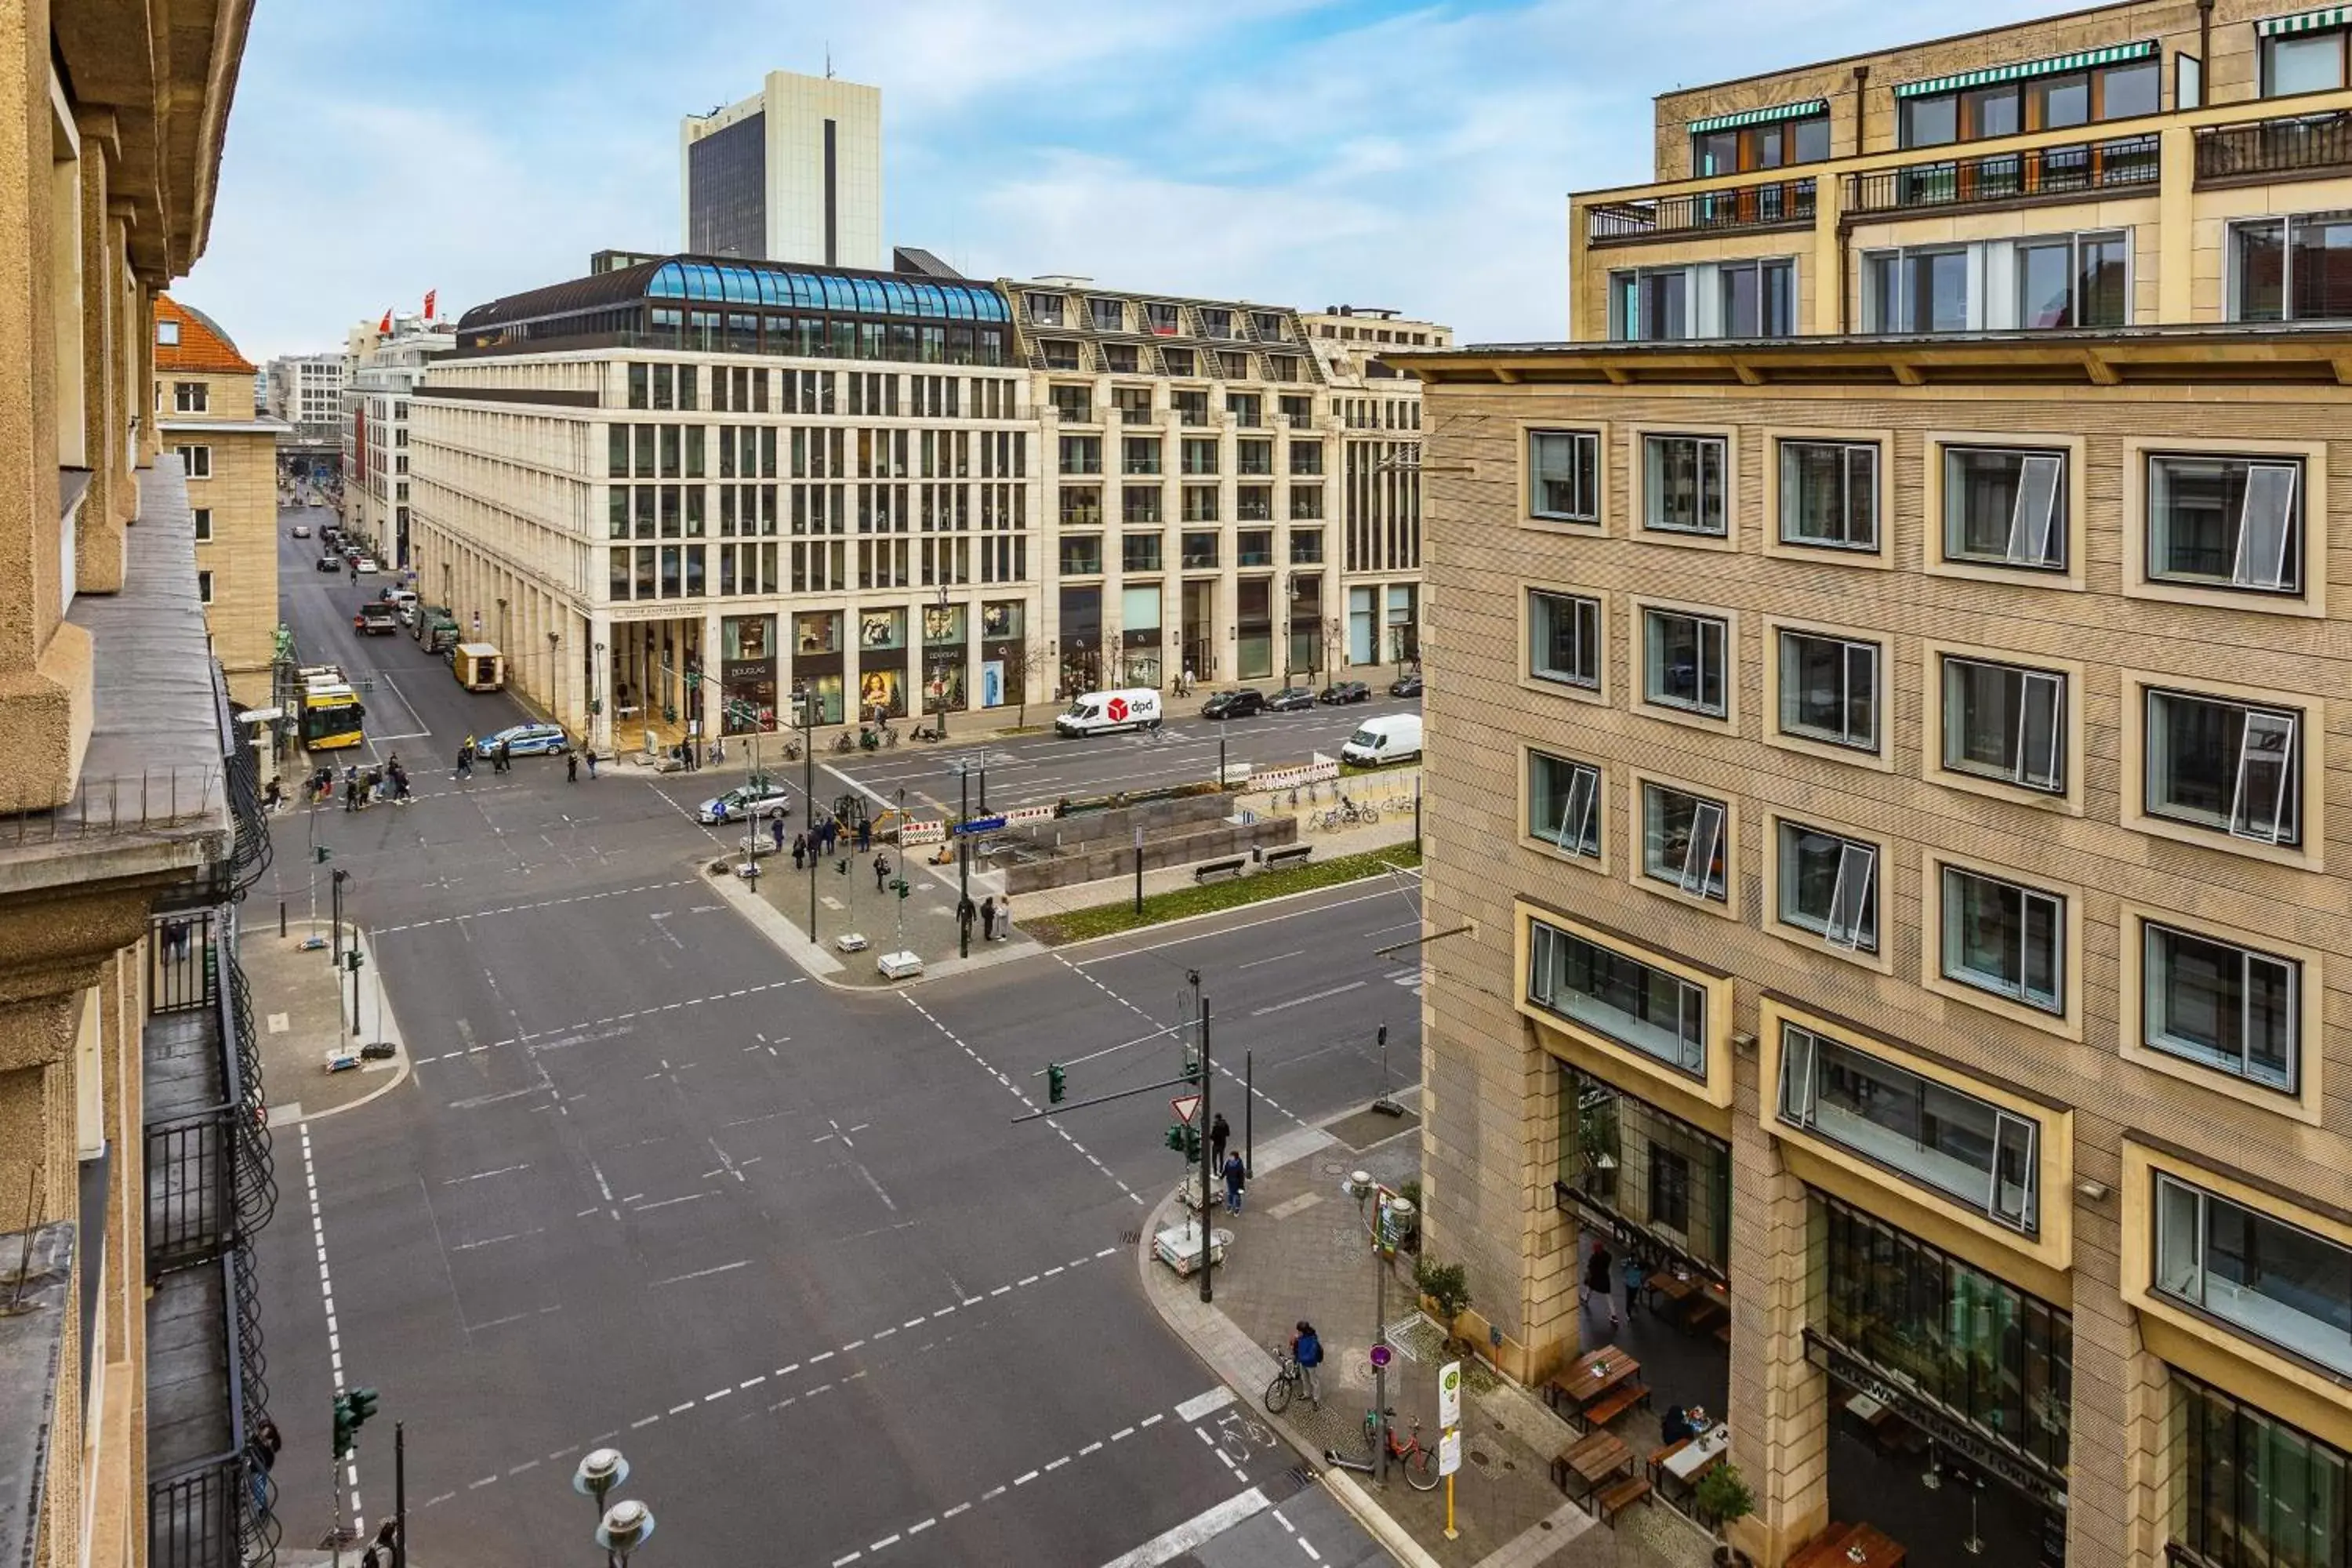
(992, 683)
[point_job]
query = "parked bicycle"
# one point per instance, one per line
(1287, 1381)
(1347, 814)
(845, 742)
(1419, 1461)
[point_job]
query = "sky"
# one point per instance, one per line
(1306, 153)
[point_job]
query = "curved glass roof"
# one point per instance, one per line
(733, 282)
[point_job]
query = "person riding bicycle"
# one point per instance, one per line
(1306, 1349)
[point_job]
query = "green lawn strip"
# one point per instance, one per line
(1108, 920)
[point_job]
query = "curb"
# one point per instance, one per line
(387, 1028)
(820, 964)
(1214, 914)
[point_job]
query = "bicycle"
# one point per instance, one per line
(845, 742)
(1418, 1462)
(1287, 1381)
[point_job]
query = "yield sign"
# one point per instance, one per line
(1187, 1106)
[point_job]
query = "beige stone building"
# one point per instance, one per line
(128, 1370)
(385, 369)
(203, 410)
(1882, 745)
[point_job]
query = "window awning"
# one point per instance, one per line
(2304, 21)
(2111, 54)
(1761, 116)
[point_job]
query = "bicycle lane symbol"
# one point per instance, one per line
(1237, 1437)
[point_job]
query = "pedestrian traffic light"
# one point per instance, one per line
(1175, 1138)
(351, 960)
(1191, 1142)
(1056, 1079)
(321, 851)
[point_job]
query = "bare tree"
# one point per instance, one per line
(1019, 661)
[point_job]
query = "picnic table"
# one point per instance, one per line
(1669, 1286)
(1588, 1377)
(1850, 1546)
(1591, 1459)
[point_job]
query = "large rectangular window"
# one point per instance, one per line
(2306, 61)
(2004, 722)
(1828, 494)
(2250, 1491)
(2296, 268)
(1564, 475)
(1629, 1161)
(1682, 841)
(2225, 523)
(2073, 280)
(1916, 290)
(1756, 299)
(2231, 766)
(2005, 508)
(2271, 1281)
(1564, 803)
(2230, 1008)
(1971, 1151)
(1683, 481)
(1652, 305)
(1829, 689)
(1829, 884)
(1656, 1013)
(2004, 939)
(1686, 662)
(1564, 638)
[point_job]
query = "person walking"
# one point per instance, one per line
(988, 919)
(1221, 1133)
(591, 764)
(966, 912)
(776, 831)
(399, 784)
(800, 849)
(1004, 917)
(572, 767)
(881, 870)
(1306, 1349)
(351, 790)
(865, 834)
(1599, 1280)
(1233, 1179)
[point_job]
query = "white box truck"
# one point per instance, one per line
(1105, 712)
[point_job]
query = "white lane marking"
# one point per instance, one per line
(705, 1273)
(1277, 958)
(1194, 1532)
(1207, 1404)
(327, 1300)
(1311, 997)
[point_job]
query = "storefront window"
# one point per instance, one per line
(1656, 1173)
(2247, 1489)
(818, 632)
(943, 625)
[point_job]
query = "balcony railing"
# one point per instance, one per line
(1707, 211)
(1994, 177)
(2305, 145)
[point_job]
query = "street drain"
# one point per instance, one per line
(1545, 1523)
(1302, 1476)
(1478, 1456)
(1131, 1237)
(1335, 1167)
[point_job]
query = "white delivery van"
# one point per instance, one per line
(1102, 712)
(1385, 740)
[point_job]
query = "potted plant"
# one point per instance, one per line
(1725, 1497)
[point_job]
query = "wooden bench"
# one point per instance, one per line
(1295, 855)
(1620, 1496)
(1215, 868)
(1615, 1403)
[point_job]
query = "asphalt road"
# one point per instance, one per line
(784, 1244)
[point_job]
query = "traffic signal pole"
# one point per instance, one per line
(1208, 1072)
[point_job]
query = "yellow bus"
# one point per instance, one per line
(332, 714)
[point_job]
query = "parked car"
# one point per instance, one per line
(752, 803)
(329, 563)
(1340, 691)
(1242, 703)
(365, 565)
(1405, 686)
(1291, 699)
(528, 740)
(301, 531)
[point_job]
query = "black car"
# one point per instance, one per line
(1244, 703)
(1291, 699)
(329, 563)
(1346, 692)
(1405, 686)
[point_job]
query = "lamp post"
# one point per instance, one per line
(625, 1526)
(802, 698)
(596, 702)
(1375, 1204)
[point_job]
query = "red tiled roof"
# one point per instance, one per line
(203, 346)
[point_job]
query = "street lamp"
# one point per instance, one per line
(801, 698)
(596, 699)
(624, 1527)
(599, 1472)
(1384, 1204)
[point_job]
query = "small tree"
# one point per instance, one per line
(1447, 1288)
(1018, 661)
(1725, 1497)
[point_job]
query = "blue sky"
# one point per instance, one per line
(1414, 156)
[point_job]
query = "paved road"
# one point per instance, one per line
(649, 1185)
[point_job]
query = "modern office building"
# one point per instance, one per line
(791, 173)
(229, 459)
(130, 1375)
(1883, 749)
(306, 392)
(385, 369)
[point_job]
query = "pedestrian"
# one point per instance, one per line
(1004, 917)
(591, 764)
(1306, 1349)
(1221, 1133)
(966, 912)
(1233, 1178)
(263, 1446)
(571, 768)
(800, 849)
(351, 791)
(988, 919)
(464, 766)
(506, 757)
(865, 834)
(375, 790)
(881, 870)
(1600, 1279)
(1184, 689)
(776, 831)
(273, 797)
(399, 785)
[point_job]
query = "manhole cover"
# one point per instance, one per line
(1478, 1456)
(1545, 1523)
(1335, 1167)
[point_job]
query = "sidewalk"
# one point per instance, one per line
(1300, 1250)
(301, 1008)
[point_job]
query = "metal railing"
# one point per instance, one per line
(144, 802)
(191, 1211)
(1711, 212)
(1991, 177)
(2303, 144)
(195, 1518)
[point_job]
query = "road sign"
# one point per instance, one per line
(1449, 1453)
(1187, 1106)
(981, 824)
(1449, 1395)
(1382, 1355)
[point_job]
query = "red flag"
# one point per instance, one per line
(384, 326)
(429, 296)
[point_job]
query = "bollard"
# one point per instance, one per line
(281, 917)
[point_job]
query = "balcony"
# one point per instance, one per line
(1782, 203)
(2305, 146)
(1992, 179)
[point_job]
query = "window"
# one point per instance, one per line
(2225, 523)
(190, 396)
(1081, 554)
(1082, 453)
(1800, 139)
(1829, 885)
(1971, 1151)
(1564, 475)
(2004, 939)
(1564, 638)
(1074, 405)
(2005, 722)
(2275, 1282)
(2294, 268)
(2248, 1488)
(1198, 455)
(1139, 455)
(2073, 280)
(1652, 305)
(1829, 689)
(1711, 299)
(1756, 299)
(2303, 62)
(1685, 662)
(1139, 553)
(1916, 290)
(1648, 1009)
(198, 461)
(1828, 494)
(1564, 803)
(1683, 482)
(2225, 765)
(2036, 97)
(203, 587)
(2005, 508)
(1681, 841)
(203, 515)
(167, 333)
(2220, 1006)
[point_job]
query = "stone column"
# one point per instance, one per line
(98, 543)
(1780, 1402)
(712, 689)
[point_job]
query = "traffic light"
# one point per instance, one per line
(342, 1425)
(351, 960)
(1175, 1138)
(1192, 1066)
(1056, 1079)
(321, 851)
(899, 886)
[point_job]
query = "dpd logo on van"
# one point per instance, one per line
(1117, 709)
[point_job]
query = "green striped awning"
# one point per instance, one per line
(2304, 21)
(2114, 53)
(1761, 116)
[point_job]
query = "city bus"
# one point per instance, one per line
(331, 711)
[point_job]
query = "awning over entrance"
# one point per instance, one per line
(1761, 116)
(2305, 22)
(2113, 54)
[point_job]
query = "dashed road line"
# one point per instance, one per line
(327, 1298)
(1223, 1071)
(605, 1023)
(541, 904)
